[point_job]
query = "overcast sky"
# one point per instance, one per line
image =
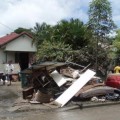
(25, 13)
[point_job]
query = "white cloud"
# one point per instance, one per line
(115, 10)
(25, 13)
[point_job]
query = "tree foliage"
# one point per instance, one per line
(42, 32)
(101, 24)
(116, 42)
(71, 32)
(53, 51)
(20, 30)
(100, 18)
(65, 38)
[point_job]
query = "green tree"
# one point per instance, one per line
(71, 32)
(116, 42)
(101, 24)
(20, 30)
(42, 32)
(116, 45)
(100, 18)
(66, 36)
(53, 51)
(48, 48)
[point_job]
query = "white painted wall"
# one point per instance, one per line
(6, 56)
(23, 44)
(2, 56)
(11, 56)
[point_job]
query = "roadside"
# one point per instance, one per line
(11, 101)
(13, 106)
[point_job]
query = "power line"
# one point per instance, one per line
(6, 26)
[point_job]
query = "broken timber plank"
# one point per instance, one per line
(75, 87)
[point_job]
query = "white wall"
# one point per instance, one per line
(2, 56)
(10, 56)
(6, 56)
(23, 43)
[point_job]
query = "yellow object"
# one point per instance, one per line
(117, 69)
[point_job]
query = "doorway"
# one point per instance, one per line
(23, 59)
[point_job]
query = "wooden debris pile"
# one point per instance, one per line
(58, 83)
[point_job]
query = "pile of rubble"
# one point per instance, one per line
(59, 83)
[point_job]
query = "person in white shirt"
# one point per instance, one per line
(9, 70)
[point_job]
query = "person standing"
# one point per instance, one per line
(9, 71)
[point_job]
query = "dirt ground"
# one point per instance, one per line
(13, 107)
(12, 104)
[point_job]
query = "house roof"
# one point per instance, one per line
(9, 37)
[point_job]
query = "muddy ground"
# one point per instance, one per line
(12, 104)
(13, 107)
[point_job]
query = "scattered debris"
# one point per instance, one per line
(59, 79)
(95, 99)
(57, 83)
(96, 91)
(75, 87)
